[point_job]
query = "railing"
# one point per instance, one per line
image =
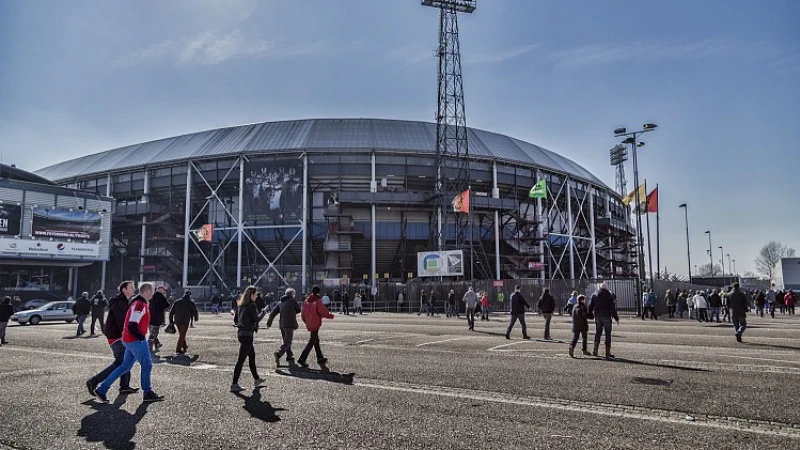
(337, 246)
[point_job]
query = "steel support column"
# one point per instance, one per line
(304, 221)
(240, 225)
(105, 263)
(187, 223)
(143, 246)
(496, 194)
(540, 228)
(591, 229)
(373, 187)
(569, 234)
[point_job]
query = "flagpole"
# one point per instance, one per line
(658, 235)
(649, 248)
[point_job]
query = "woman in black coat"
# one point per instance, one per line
(580, 325)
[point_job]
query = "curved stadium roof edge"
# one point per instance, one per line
(310, 134)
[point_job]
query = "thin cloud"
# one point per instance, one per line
(498, 56)
(416, 54)
(149, 54)
(410, 54)
(598, 54)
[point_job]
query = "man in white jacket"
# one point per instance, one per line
(471, 301)
(701, 304)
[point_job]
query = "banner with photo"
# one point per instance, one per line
(440, 264)
(10, 219)
(273, 192)
(60, 223)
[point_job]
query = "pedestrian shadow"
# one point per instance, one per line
(179, 360)
(259, 409)
(324, 374)
(111, 425)
(781, 347)
(663, 366)
(490, 333)
(71, 337)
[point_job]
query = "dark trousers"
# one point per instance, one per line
(286, 348)
(739, 324)
(547, 318)
(313, 341)
(513, 319)
(790, 308)
(246, 351)
(576, 335)
(100, 318)
(182, 345)
(602, 325)
(471, 318)
(119, 355)
(671, 310)
(702, 315)
(651, 310)
(346, 308)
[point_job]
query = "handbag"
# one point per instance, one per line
(170, 329)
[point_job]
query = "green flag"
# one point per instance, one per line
(539, 190)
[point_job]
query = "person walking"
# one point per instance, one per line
(690, 304)
(288, 309)
(603, 308)
(518, 305)
(770, 297)
(546, 306)
(246, 319)
(573, 300)
(99, 304)
(115, 324)
(485, 305)
(737, 302)
(761, 300)
(580, 325)
(791, 301)
(6, 311)
(137, 320)
(357, 303)
(452, 307)
(214, 304)
(423, 303)
(726, 311)
(701, 305)
(715, 303)
(345, 303)
(158, 306)
(669, 297)
(682, 303)
(82, 308)
(780, 300)
(312, 313)
(182, 313)
(470, 299)
(432, 304)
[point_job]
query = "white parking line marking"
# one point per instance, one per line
(444, 340)
(364, 341)
(761, 359)
(507, 345)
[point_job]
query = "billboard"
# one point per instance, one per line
(59, 223)
(273, 192)
(440, 264)
(10, 219)
(18, 247)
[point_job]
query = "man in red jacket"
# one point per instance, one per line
(313, 312)
(791, 301)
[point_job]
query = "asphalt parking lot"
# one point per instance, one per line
(405, 382)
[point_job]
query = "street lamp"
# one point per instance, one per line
(710, 255)
(734, 268)
(631, 138)
(722, 262)
(688, 251)
(730, 268)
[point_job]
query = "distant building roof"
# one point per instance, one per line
(12, 173)
(344, 135)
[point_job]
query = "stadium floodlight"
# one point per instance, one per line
(629, 140)
(649, 126)
(465, 6)
(640, 144)
(620, 131)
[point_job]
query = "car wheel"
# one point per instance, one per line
(70, 320)
(34, 320)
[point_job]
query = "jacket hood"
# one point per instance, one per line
(313, 298)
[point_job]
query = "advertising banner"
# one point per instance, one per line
(10, 219)
(29, 248)
(273, 192)
(59, 223)
(440, 264)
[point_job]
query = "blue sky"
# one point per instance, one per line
(720, 77)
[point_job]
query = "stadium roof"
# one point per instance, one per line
(346, 135)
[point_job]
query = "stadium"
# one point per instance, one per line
(342, 201)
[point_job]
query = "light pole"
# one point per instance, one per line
(710, 254)
(631, 138)
(734, 268)
(730, 268)
(688, 247)
(722, 262)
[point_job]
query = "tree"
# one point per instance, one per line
(769, 257)
(706, 270)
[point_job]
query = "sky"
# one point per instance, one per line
(721, 78)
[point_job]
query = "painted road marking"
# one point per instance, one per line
(444, 340)
(495, 348)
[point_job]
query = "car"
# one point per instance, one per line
(35, 303)
(50, 312)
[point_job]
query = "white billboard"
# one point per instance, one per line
(28, 248)
(448, 263)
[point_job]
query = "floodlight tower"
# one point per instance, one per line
(452, 152)
(619, 154)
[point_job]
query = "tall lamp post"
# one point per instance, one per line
(735, 273)
(632, 139)
(710, 254)
(688, 247)
(722, 262)
(730, 268)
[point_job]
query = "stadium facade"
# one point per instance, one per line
(342, 201)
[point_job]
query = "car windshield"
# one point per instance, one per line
(48, 306)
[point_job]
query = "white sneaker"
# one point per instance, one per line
(236, 388)
(260, 381)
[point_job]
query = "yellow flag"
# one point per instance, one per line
(632, 195)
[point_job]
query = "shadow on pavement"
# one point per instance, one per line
(259, 409)
(111, 425)
(663, 366)
(782, 347)
(323, 373)
(180, 359)
(491, 333)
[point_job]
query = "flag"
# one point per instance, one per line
(632, 195)
(539, 190)
(652, 201)
(461, 202)
(205, 233)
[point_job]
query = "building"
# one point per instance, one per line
(787, 274)
(49, 234)
(368, 188)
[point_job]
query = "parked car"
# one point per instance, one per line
(35, 303)
(51, 312)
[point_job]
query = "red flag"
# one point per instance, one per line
(461, 202)
(652, 201)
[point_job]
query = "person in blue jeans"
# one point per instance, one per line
(603, 307)
(137, 322)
